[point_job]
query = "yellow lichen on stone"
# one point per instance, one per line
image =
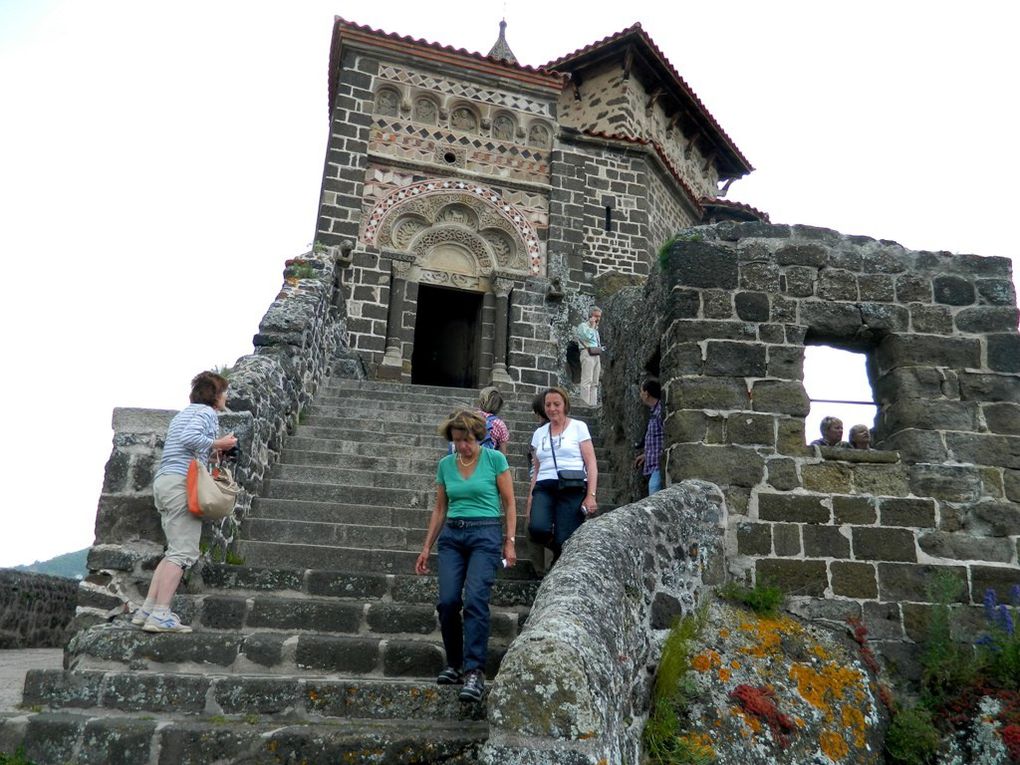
(725, 674)
(853, 720)
(833, 745)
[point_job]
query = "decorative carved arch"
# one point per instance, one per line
(420, 216)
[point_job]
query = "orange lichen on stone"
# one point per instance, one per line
(853, 720)
(706, 660)
(833, 745)
(750, 721)
(820, 652)
(734, 664)
(830, 684)
(724, 633)
(760, 702)
(725, 674)
(767, 635)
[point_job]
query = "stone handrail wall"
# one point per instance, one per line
(35, 609)
(301, 339)
(575, 686)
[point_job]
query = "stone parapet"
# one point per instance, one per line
(300, 340)
(35, 609)
(723, 322)
(574, 687)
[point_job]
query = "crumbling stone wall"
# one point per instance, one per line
(301, 339)
(846, 533)
(35, 609)
(574, 687)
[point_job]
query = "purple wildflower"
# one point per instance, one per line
(1006, 619)
(990, 603)
(1014, 594)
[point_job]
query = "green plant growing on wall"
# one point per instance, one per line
(912, 738)
(947, 665)
(318, 247)
(18, 758)
(687, 236)
(764, 599)
(224, 370)
(664, 741)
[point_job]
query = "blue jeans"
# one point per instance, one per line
(655, 481)
(555, 514)
(469, 555)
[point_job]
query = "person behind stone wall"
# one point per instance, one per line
(473, 536)
(650, 459)
(860, 437)
(591, 348)
(192, 435)
(555, 512)
(832, 433)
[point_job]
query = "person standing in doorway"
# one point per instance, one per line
(591, 355)
(650, 459)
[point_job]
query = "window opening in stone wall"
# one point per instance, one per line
(837, 384)
(609, 220)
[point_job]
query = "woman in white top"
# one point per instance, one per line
(554, 513)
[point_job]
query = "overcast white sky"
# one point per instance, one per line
(160, 161)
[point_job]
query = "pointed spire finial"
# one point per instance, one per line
(501, 50)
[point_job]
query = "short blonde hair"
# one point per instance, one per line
(463, 419)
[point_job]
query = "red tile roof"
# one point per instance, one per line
(637, 32)
(729, 204)
(530, 74)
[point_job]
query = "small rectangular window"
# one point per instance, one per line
(609, 219)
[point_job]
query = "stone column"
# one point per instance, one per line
(392, 365)
(501, 287)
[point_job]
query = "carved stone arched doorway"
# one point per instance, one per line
(456, 250)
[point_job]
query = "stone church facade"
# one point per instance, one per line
(477, 200)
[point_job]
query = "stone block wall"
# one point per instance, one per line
(846, 533)
(35, 609)
(301, 339)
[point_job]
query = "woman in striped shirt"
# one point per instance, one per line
(192, 435)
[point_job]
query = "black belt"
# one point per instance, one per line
(463, 523)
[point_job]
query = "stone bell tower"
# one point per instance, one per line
(480, 198)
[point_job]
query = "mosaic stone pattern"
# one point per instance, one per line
(463, 89)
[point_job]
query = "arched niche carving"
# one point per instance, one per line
(387, 101)
(421, 216)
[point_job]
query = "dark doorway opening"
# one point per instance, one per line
(447, 337)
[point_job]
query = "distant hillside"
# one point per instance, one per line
(69, 565)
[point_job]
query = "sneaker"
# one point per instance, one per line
(474, 686)
(140, 617)
(450, 676)
(169, 623)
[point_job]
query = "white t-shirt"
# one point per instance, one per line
(568, 449)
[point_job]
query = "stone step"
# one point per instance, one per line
(366, 586)
(381, 389)
(351, 495)
(291, 531)
(412, 519)
(247, 614)
(330, 475)
(285, 555)
(118, 645)
(418, 419)
(59, 737)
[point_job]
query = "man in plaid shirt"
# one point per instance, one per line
(651, 457)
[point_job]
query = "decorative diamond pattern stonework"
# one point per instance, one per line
(475, 215)
(464, 90)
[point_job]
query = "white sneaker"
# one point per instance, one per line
(140, 616)
(169, 623)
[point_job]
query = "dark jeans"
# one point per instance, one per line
(555, 514)
(469, 556)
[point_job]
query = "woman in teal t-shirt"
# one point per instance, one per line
(474, 519)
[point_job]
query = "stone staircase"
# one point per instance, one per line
(323, 646)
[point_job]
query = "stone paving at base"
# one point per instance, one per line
(15, 663)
